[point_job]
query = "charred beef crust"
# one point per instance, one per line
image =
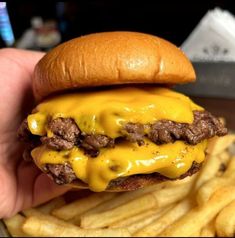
(63, 174)
(165, 131)
(204, 126)
(57, 143)
(92, 143)
(135, 132)
(65, 128)
(66, 133)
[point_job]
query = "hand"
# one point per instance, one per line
(22, 185)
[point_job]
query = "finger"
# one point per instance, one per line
(16, 187)
(46, 189)
(27, 174)
(24, 58)
(16, 69)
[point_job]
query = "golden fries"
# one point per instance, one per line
(42, 227)
(135, 226)
(126, 197)
(151, 200)
(119, 200)
(14, 225)
(116, 214)
(139, 221)
(206, 191)
(231, 167)
(80, 206)
(219, 144)
(157, 226)
(200, 205)
(48, 207)
(31, 212)
(208, 230)
(225, 221)
(195, 219)
(140, 217)
(208, 171)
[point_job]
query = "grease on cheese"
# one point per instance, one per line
(105, 112)
(171, 160)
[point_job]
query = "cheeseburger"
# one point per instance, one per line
(105, 118)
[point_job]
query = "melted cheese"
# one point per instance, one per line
(105, 112)
(171, 160)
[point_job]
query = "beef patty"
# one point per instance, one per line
(66, 133)
(64, 174)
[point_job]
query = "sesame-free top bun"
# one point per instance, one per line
(110, 58)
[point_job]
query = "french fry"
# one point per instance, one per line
(128, 196)
(14, 225)
(116, 214)
(135, 226)
(209, 169)
(218, 144)
(41, 227)
(196, 234)
(51, 205)
(31, 212)
(195, 219)
(224, 157)
(80, 206)
(118, 200)
(168, 196)
(225, 221)
(217, 155)
(208, 230)
(139, 221)
(140, 217)
(157, 226)
(228, 178)
(205, 192)
(152, 200)
(34, 212)
(230, 168)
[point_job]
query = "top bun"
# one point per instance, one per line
(110, 58)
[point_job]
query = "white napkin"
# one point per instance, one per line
(213, 39)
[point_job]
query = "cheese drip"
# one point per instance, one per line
(106, 111)
(170, 160)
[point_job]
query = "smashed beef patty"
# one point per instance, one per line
(66, 133)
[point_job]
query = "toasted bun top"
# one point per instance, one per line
(110, 58)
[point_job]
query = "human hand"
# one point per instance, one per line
(22, 185)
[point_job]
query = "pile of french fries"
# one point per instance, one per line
(200, 205)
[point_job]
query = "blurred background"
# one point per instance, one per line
(209, 43)
(173, 20)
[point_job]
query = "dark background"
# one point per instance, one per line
(173, 20)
